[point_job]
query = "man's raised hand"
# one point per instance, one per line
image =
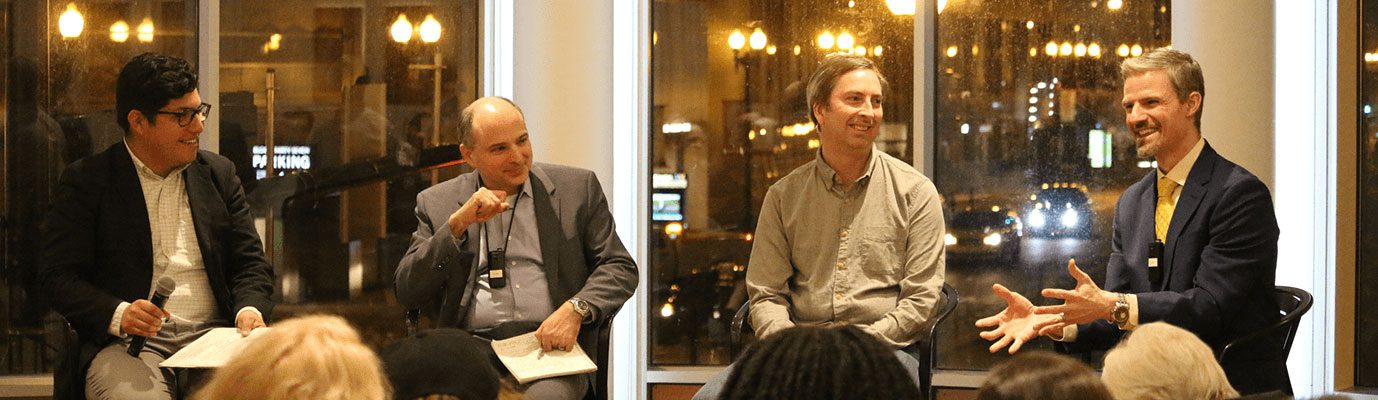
(1016, 324)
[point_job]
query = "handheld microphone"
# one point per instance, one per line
(165, 287)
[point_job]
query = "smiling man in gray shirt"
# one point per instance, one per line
(853, 237)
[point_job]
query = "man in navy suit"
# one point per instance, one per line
(1195, 242)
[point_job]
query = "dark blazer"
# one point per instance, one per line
(581, 252)
(1219, 263)
(98, 249)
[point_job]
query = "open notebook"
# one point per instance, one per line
(212, 350)
(523, 357)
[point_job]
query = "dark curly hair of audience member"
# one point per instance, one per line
(819, 363)
(1042, 375)
(148, 82)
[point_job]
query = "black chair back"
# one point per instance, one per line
(1293, 303)
(926, 349)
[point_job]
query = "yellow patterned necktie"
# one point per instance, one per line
(1163, 216)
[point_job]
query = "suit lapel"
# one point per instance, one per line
(1198, 185)
(546, 202)
(131, 210)
(1141, 234)
(207, 209)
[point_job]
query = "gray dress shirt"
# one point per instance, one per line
(871, 256)
(526, 298)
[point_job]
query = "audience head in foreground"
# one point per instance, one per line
(1042, 375)
(441, 364)
(1161, 361)
(313, 357)
(819, 363)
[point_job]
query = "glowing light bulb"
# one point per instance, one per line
(758, 39)
(736, 40)
(401, 29)
(119, 31)
(902, 7)
(845, 41)
(71, 22)
(430, 29)
(145, 30)
(825, 40)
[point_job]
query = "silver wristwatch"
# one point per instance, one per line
(1120, 315)
(581, 307)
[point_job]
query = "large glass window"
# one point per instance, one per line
(355, 88)
(1366, 345)
(61, 61)
(729, 120)
(1030, 135)
(346, 95)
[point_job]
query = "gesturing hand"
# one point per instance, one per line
(1016, 324)
(1083, 304)
(481, 206)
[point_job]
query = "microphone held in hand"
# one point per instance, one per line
(165, 287)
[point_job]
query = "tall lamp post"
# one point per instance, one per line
(745, 50)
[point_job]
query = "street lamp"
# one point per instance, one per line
(745, 51)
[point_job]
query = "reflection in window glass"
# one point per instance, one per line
(1031, 143)
(729, 120)
(61, 61)
(1366, 357)
(346, 94)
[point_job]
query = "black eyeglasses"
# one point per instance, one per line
(185, 116)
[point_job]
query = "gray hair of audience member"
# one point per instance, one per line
(466, 120)
(311, 357)
(821, 83)
(1182, 70)
(1041, 375)
(1161, 361)
(807, 363)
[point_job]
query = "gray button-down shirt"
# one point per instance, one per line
(526, 298)
(870, 256)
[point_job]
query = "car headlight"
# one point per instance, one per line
(993, 239)
(1037, 219)
(949, 240)
(1070, 218)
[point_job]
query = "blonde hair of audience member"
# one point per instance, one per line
(1042, 375)
(1161, 361)
(311, 357)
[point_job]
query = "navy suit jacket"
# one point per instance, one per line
(1219, 262)
(98, 246)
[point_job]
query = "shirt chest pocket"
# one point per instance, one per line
(881, 252)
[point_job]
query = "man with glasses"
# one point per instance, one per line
(150, 207)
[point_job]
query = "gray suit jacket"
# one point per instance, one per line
(583, 257)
